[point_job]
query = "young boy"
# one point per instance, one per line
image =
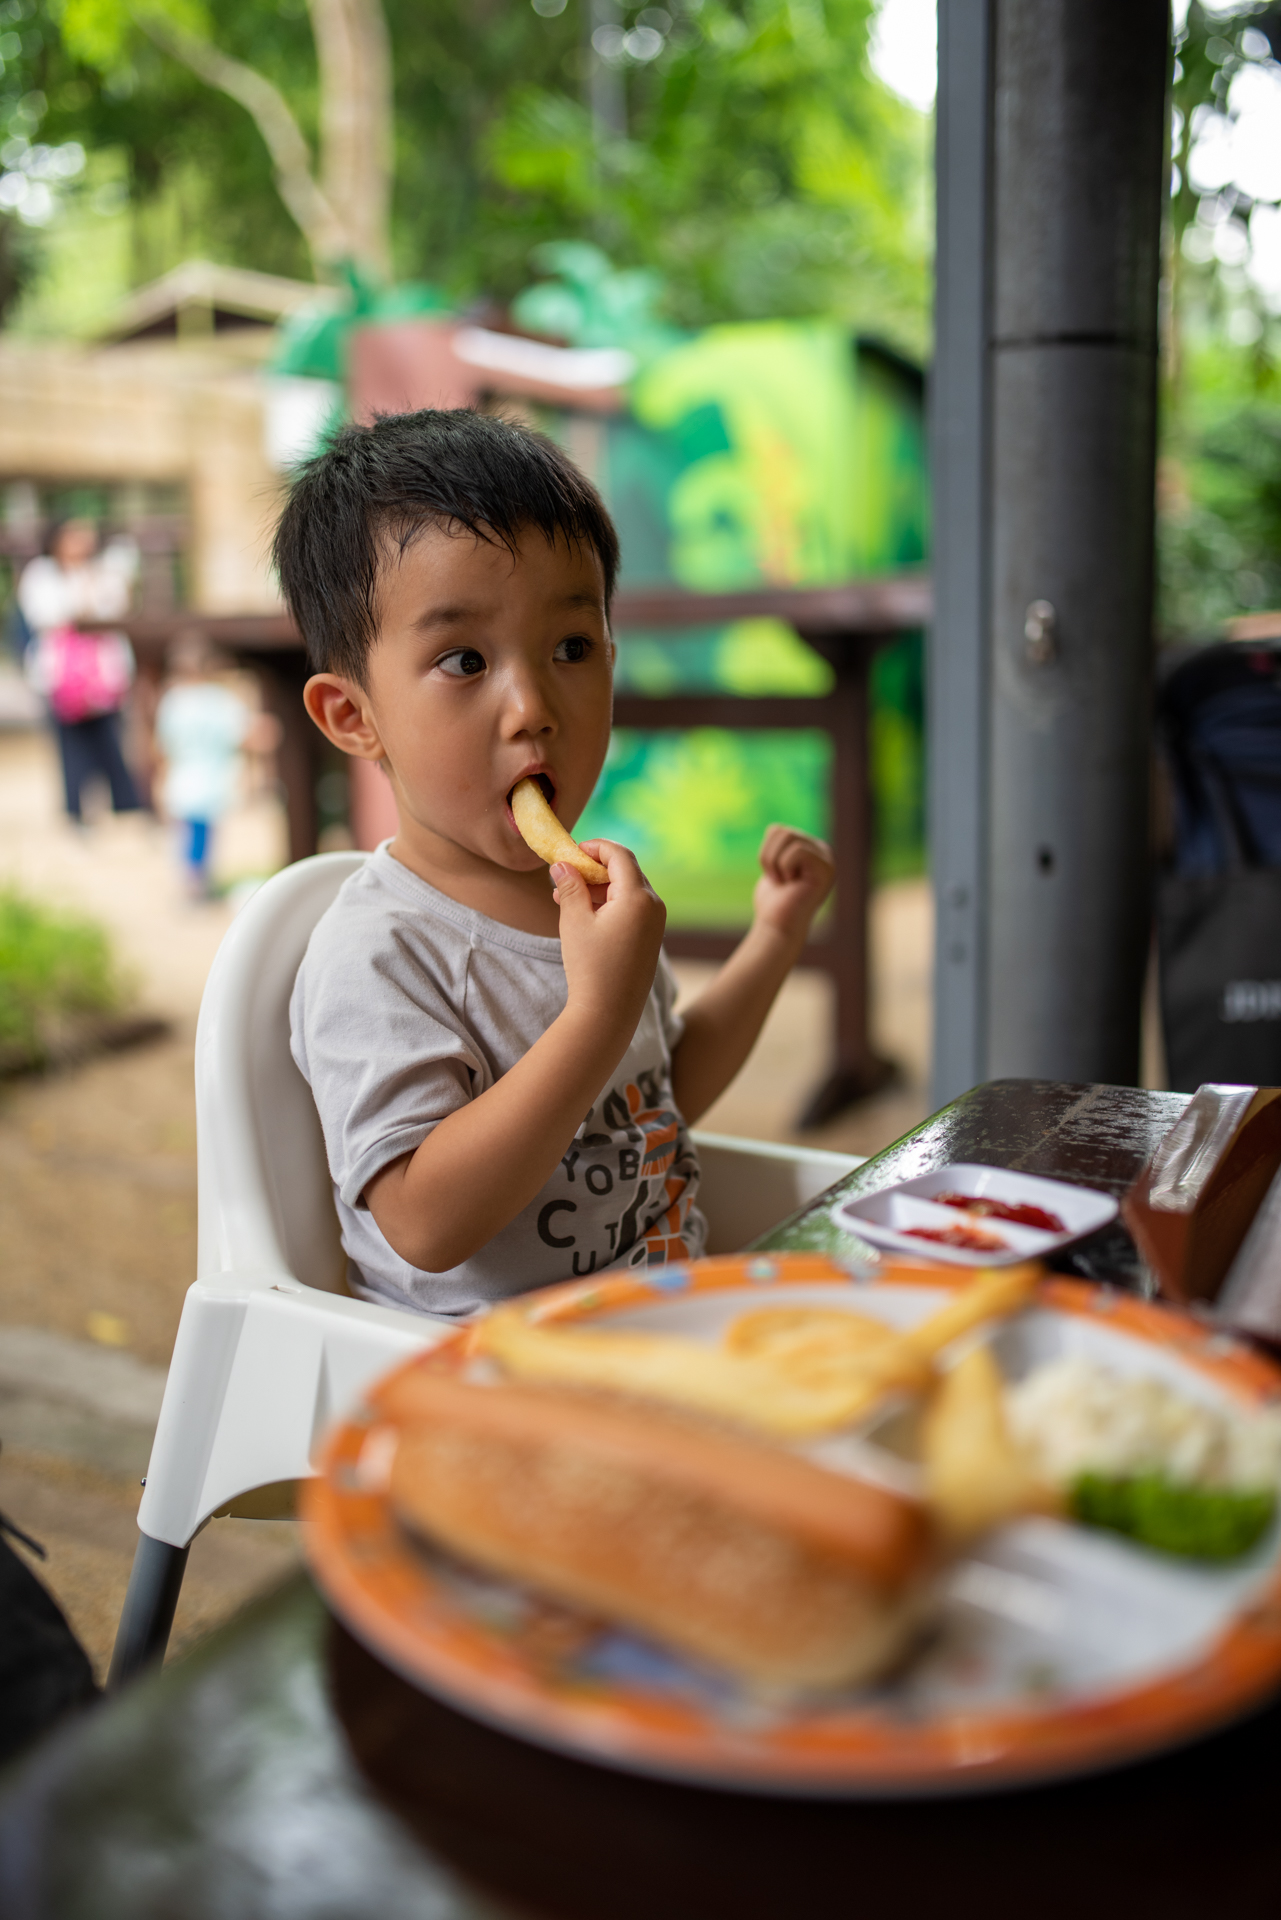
(504, 1086)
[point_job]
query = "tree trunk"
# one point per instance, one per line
(346, 213)
(354, 57)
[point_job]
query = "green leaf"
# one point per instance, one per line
(96, 32)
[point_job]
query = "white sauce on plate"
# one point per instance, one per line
(1075, 1416)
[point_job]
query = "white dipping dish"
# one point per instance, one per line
(884, 1219)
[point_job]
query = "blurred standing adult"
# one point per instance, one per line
(84, 677)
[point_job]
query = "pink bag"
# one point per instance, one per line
(86, 674)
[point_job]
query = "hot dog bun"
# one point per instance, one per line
(544, 835)
(734, 1551)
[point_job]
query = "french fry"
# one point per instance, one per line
(544, 835)
(993, 1294)
(655, 1366)
(827, 1349)
(816, 1342)
(975, 1478)
(804, 1339)
(814, 1373)
(745, 1388)
(906, 1361)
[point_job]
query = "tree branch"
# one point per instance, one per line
(324, 232)
(353, 54)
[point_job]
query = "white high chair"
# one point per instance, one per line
(270, 1348)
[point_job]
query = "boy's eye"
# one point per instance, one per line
(576, 647)
(461, 663)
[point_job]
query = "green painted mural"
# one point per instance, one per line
(776, 453)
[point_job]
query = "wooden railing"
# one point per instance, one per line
(845, 624)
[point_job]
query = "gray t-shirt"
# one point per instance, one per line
(406, 1007)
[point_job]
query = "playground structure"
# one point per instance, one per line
(158, 427)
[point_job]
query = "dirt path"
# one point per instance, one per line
(98, 1208)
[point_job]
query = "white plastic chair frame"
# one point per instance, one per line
(270, 1348)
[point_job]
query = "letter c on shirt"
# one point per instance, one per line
(545, 1223)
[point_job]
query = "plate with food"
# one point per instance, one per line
(975, 1216)
(753, 1522)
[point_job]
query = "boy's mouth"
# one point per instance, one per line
(545, 781)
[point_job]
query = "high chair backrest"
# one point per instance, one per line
(265, 1200)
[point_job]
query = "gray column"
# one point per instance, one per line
(957, 703)
(1068, 383)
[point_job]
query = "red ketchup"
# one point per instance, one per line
(968, 1237)
(1019, 1216)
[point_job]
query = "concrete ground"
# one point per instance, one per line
(98, 1186)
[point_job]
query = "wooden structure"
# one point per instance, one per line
(178, 421)
(844, 624)
(164, 419)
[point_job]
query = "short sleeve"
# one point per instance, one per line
(372, 1037)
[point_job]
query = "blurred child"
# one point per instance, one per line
(201, 727)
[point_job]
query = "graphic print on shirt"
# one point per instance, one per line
(643, 1160)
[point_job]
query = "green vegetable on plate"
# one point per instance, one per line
(1198, 1523)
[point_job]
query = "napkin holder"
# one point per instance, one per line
(1251, 1298)
(1192, 1206)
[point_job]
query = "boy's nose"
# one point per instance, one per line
(528, 708)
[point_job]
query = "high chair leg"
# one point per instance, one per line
(147, 1615)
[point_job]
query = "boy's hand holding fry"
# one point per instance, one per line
(610, 938)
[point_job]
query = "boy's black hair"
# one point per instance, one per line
(380, 484)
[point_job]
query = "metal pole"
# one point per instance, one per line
(1078, 179)
(150, 1603)
(1043, 500)
(957, 705)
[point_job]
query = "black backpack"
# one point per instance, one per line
(1219, 898)
(44, 1670)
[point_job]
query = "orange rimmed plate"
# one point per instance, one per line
(1059, 1650)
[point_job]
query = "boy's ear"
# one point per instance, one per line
(341, 710)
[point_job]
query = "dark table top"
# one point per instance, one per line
(1096, 1136)
(281, 1770)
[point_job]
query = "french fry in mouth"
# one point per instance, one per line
(544, 835)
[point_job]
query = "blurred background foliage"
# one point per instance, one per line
(754, 159)
(55, 968)
(736, 160)
(726, 161)
(1219, 519)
